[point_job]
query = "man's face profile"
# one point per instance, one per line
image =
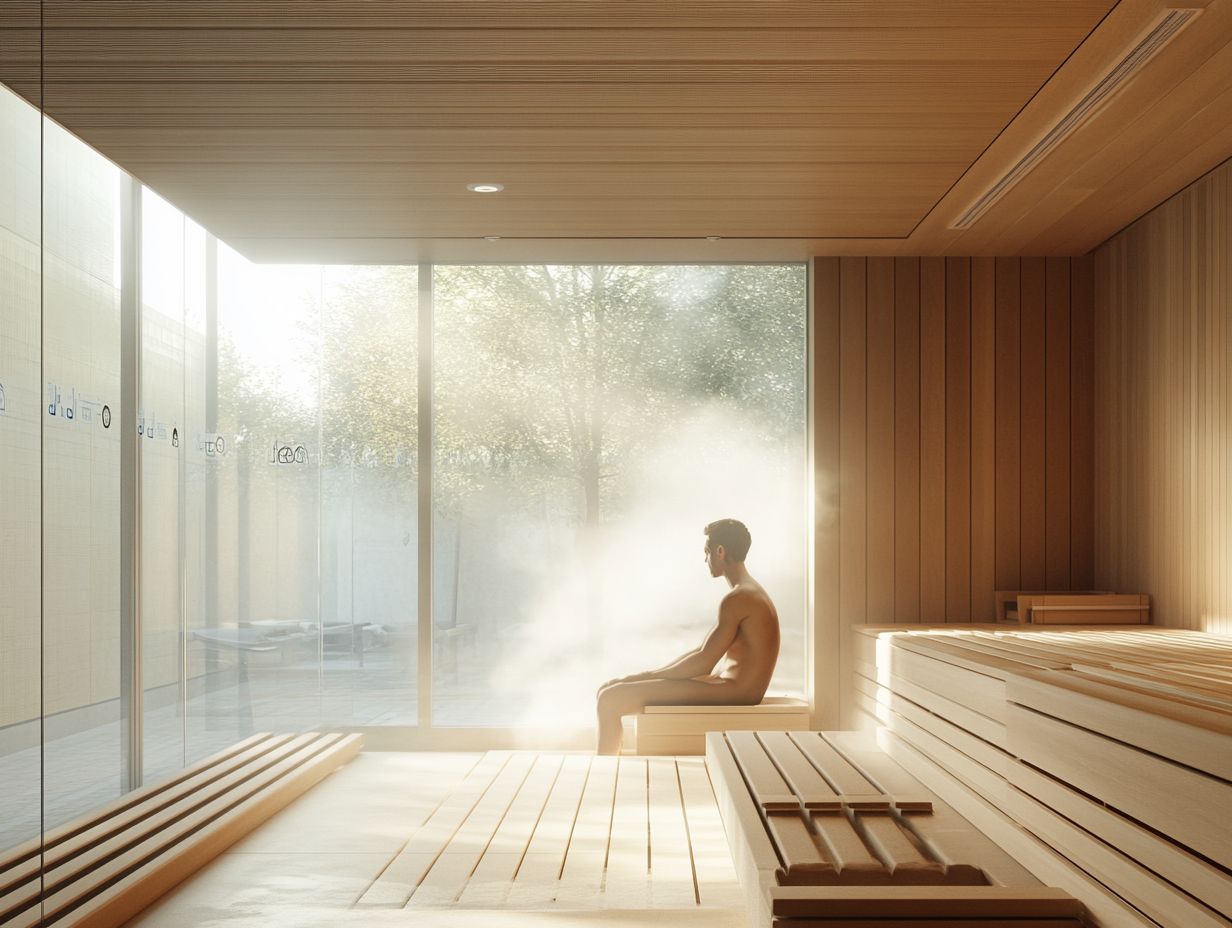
(715, 559)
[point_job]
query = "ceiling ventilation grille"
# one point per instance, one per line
(1172, 22)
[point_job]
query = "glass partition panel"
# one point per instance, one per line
(83, 718)
(589, 421)
(204, 730)
(369, 532)
(160, 427)
(21, 405)
(263, 645)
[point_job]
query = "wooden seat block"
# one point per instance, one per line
(681, 730)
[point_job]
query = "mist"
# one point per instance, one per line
(642, 595)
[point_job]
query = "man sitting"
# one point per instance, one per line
(747, 633)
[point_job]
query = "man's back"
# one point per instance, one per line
(752, 655)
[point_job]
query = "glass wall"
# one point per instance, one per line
(83, 724)
(21, 405)
(590, 421)
(587, 422)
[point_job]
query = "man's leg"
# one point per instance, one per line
(620, 699)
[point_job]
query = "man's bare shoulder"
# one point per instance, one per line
(747, 599)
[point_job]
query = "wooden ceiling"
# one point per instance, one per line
(634, 129)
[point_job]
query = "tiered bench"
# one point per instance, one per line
(101, 870)
(1100, 758)
(826, 830)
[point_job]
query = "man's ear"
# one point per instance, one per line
(720, 551)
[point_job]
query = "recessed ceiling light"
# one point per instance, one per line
(491, 238)
(485, 188)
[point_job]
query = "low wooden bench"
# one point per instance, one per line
(682, 729)
(101, 870)
(827, 830)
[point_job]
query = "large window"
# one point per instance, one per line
(589, 422)
(218, 492)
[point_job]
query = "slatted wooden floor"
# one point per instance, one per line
(526, 830)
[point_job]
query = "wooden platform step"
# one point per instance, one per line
(826, 829)
(103, 869)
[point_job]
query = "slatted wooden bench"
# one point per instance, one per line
(101, 870)
(1095, 756)
(679, 730)
(827, 830)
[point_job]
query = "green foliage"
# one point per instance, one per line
(546, 377)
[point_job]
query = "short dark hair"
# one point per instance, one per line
(732, 535)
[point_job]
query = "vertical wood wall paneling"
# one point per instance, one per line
(1032, 400)
(1008, 444)
(932, 439)
(852, 448)
(1171, 405)
(966, 434)
(1199, 369)
(907, 439)
(828, 641)
(958, 439)
(1057, 424)
(1162, 407)
(880, 439)
(1103, 409)
(983, 439)
(1082, 426)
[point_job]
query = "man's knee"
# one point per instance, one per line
(619, 699)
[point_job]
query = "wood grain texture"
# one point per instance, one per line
(1161, 405)
(1110, 751)
(366, 120)
(880, 436)
(932, 439)
(1033, 424)
(958, 439)
(1057, 417)
(1082, 425)
(852, 425)
(906, 439)
(946, 485)
(983, 438)
(1008, 434)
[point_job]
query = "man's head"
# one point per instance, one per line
(727, 542)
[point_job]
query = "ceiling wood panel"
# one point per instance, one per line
(842, 127)
(540, 14)
(411, 46)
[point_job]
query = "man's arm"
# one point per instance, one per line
(702, 660)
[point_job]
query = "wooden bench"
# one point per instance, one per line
(1095, 756)
(827, 830)
(101, 870)
(682, 729)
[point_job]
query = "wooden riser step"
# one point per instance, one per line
(101, 870)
